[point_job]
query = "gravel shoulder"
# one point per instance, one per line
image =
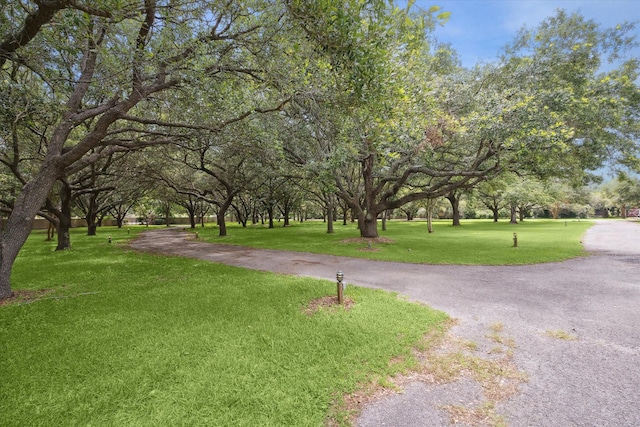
(589, 377)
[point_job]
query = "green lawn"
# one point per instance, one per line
(127, 339)
(475, 242)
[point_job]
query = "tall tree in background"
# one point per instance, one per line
(590, 116)
(387, 143)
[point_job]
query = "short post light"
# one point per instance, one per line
(340, 285)
(109, 239)
(515, 240)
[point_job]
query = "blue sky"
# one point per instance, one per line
(478, 29)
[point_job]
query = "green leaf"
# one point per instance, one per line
(444, 17)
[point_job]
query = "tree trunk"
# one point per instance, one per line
(367, 214)
(18, 226)
(222, 224)
(384, 221)
(330, 214)
(368, 225)
(286, 214)
(92, 228)
(64, 233)
(495, 214)
(430, 207)
(51, 228)
(242, 219)
(92, 223)
(270, 213)
(222, 212)
(521, 212)
(64, 219)
(167, 215)
(193, 220)
(91, 215)
(514, 217)
(454, 199)
(623, 212)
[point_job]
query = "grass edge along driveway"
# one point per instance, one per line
(476, 242)
(113, 337)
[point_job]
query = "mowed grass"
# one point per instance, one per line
(130, 339)
(474, 242)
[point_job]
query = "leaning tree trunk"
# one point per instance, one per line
(18, 225)
(222, 212)
(242, 219)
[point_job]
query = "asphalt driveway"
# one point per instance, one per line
(593, 380)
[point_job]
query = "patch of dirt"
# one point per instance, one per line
(368, 249)
(24, 296)
(444, 358)
(329, 303)
(368, 240)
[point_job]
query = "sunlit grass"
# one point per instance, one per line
(475, 242)
(133, 339)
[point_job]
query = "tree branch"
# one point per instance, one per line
(32, 25)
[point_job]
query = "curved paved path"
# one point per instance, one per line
(591, 381)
